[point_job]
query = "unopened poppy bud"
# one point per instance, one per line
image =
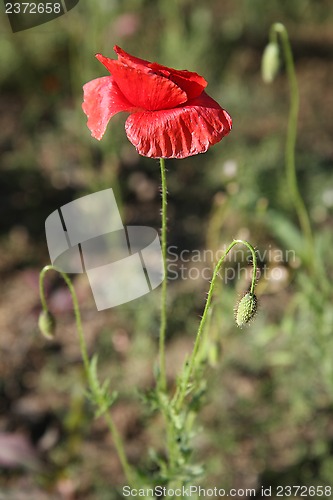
(270, 62)
(46, 324)
(246, 309)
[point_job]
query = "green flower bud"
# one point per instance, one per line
(246, 309)
(46, 324)
(270, 62)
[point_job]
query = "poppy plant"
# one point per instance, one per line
(171, 116)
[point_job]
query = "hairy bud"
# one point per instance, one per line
(46, 324)
(270, 62)
(246, 309)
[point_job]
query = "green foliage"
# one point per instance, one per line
(99, 393)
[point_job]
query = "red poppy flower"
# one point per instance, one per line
(170, 114)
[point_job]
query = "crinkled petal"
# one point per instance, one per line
(179, 132)
(142, 87)
(191, 82)
(102, 100)
(129, 60)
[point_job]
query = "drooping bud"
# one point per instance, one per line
(46, 324)
(270, 62)
(246, 309)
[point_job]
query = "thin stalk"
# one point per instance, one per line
(163, 320)
(181, 392)
(118, 443)
(85, 358)
(76, 308)
(300, 208)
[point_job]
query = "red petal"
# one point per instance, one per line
(179, 132)
(133, 62)
(102, 100)
(142, 87)
(191, 82)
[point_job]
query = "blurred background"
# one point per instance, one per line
(268, 413)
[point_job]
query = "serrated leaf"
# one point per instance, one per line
(106, 404)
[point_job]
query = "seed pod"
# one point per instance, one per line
(270, 62)
(246, 309)
(46, 324)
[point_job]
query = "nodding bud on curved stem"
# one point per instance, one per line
(46, 324)
(246, 309)
(270, 62)
(245, 312)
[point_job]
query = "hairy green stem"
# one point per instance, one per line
(83, 346)
(84, 353)
(163, 320)
(300, 208)
(181, 392)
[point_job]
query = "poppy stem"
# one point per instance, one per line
(278, 29)
(184, 387)
(163, 319)
(88, 368)
(83, 346)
